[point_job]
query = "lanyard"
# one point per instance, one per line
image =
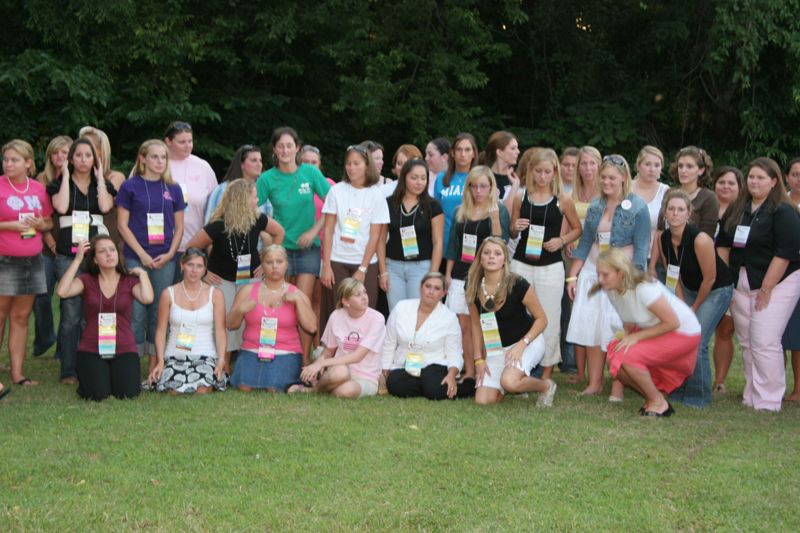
(163, 188)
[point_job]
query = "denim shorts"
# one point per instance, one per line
(304, 261)
(22, 275)
(276, 374)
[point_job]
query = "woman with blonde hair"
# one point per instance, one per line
(537, 219)
(656, 350)
(646, 186)
(233, 233)
(350, 363)
(55, 158)
(150, 222)
(507, 325)
(24, 215)
(616, 219)
(480, 215)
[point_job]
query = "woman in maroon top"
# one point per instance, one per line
(107, 365)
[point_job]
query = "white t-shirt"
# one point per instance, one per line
(633, 307)
(197, 180)
(356, 210)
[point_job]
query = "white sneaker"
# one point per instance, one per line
(546, 398)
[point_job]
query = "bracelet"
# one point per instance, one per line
(362, 269)
(385, 274)
(571, 279)
(480, 361)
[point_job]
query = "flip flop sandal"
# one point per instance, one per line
(5, 392)
(25, 382)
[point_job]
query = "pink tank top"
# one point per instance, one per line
(288, 338)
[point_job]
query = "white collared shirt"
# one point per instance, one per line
(439, 336)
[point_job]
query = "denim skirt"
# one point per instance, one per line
(276, 374)
(22, 275)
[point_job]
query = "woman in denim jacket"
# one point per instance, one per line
(620, 219)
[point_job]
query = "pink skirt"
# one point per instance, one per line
(669, 358)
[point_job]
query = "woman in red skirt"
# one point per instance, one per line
(657, 350)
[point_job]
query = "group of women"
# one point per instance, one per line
(497, 266)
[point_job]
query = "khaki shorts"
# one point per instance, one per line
(368, 387)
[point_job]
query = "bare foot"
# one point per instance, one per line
(588, 391)
(575, 379)
(68, 381)
(298, 388)
(793, 397)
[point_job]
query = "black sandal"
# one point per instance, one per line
(5, 391)
(669, 412)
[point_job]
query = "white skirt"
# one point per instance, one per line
(594, 319)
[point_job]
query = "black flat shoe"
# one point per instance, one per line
(669, 412)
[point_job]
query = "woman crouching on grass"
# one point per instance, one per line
(350, 363)
(507, 325)
(657, 350)
(108, 362)
(192, 358)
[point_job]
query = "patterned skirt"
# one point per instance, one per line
(187, 373)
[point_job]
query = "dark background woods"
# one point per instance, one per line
(617, 74)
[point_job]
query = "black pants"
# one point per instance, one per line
(429, 384)
(100, 378)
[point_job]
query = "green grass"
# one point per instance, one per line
(259, 462)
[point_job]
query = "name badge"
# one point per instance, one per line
(533, 247)
(352, 225)
(107, 335)
(408, 234)
(243, 269)
(414, 360)
(673, 274)
(469, 246)
(740, 237)
(155, 228)
(267, 338)
(185, 339)
(80, 226)
(29, 232)
(491, 335)
(604, 240)
(185, 190)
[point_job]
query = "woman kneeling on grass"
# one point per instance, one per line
(108, 362)
(273, 312)
(422, 352)
(657, 350)
(507, 325)
(192, 359)
(350, 363)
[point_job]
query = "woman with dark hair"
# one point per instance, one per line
(697, 275)
(791, 336)
(44, 335)
(107, 362)
(501, 155)
(195, 177)
(728, 185)
(355, 209)
(437, 156)
(192, 358)
(24, 216)
(449, 187)
(422, 352)
(80, 197)
(692, 168)
(290, 187)
(245, 164)
(376, 153)
(656, 350)
(761, 237)
(416, 233)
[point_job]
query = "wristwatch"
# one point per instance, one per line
(526, 340)
(362, 269)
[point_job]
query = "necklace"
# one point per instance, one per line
(278, 290)
(489, 305)
(27, 185)
(196, 296)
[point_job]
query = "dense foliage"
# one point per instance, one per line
(722, 74)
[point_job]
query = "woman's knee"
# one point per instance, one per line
(350, 390)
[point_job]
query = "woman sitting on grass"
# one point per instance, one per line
(192, 358)
(422, 352)
(350, 363)
(273, 312)
(507, 326)
(657, 350)
(108, 362)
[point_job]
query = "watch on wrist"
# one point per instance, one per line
(362, 269)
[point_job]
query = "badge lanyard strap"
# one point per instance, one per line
(546, 207)
(116, 292)
(413, 213)
(477, 225)
(162, 188)
(670, 252)
(233, 246)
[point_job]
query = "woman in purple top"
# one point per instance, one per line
(107, 362)
(150, 222)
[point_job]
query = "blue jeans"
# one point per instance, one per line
(404, 279)
(70, 326)
(696, 390)
(568, 365)
(144, 317)
(44, 330)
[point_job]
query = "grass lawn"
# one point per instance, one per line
(256, 462)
